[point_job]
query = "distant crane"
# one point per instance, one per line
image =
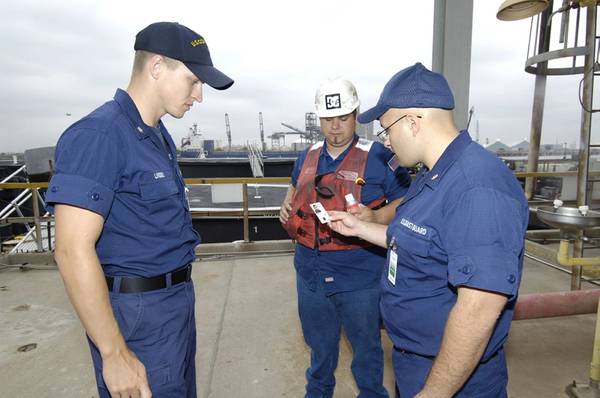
(311, 122)
(296, 129)
(276, 139)
(311, 135)
(228, 131)
(262, 131)
(303, 134)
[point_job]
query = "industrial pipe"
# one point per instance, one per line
(548, 305)
(564, 258)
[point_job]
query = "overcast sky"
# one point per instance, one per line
(62, 58)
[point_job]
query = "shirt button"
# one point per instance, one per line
(511, 278)
(95, 197)
(466, 269)
(54, 188)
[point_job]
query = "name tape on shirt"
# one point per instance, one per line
(415, 228)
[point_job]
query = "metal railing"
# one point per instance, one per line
(16, 173)
(35, 234)
(244, 212)
(43, 238)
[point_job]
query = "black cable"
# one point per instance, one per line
(581, 101)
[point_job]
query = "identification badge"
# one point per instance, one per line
(392, 267)
(320, 211)
(392, 264)
(186, 191)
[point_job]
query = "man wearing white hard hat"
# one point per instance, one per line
(337, 277)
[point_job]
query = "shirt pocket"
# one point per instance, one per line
(160, 189)
(413, 251)
(413, 245)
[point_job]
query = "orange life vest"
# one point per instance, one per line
(303, 225)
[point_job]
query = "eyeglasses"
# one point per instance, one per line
(324, 191)
(384, 134)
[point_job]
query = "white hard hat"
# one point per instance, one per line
(336, 97)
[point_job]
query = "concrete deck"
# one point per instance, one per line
(249, 338)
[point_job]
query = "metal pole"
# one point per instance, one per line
(537, 113)
(535, 133)
(595, 365)
(451, 55)
(584, 140)
(246, 220)
(49, 230)
(439, 28)
(36, 217)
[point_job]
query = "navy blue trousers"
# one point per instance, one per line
(488, 380)
(160, 328)
(322, 318)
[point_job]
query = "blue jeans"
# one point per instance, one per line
(160, 328)
(488, 380)
(322, 318)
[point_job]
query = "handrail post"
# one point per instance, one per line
(36, 217)
(246, 220)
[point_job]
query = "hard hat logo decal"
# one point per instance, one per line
(332, 101)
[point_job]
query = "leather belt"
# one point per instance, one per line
(140, 284)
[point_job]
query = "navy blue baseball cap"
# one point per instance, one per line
(413, 87)
(183, 44)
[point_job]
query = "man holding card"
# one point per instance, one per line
(337, 277)
(455, 246)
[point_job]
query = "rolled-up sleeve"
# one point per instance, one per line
(484, 240)
(87, 170)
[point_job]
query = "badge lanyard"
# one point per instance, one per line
(393, 260)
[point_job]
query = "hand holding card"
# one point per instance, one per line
(321, 213)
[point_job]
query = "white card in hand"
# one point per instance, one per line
(321, 213)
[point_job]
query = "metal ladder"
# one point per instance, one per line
(255, 157)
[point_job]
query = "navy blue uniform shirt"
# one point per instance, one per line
(113, 164)
(348, 270)
(461, 224)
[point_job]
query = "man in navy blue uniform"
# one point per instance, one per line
(124, 237)
(455, 246)
(337, 277)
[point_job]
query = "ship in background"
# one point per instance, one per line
(201, 157)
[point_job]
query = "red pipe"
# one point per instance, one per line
(548, 305)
